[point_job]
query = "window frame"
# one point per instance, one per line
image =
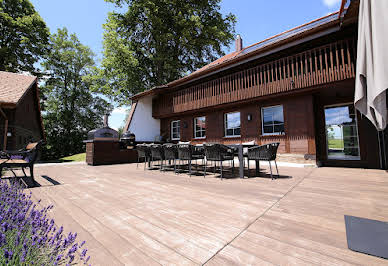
(172, 129)
(195, 128)
(225, 126)
(273, 124)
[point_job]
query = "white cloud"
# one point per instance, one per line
(331, 3)
(120, 110)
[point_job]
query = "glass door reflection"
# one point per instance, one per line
(341, 133)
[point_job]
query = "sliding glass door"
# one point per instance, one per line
(341, 132)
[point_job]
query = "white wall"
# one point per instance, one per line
(143, 125)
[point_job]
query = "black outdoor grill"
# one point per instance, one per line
(128, 139)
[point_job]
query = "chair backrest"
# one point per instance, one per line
(157, 151)
(185, 151)
(170, 151)
(33, 150)
(143, 151)
(215, 152)
(265, 152)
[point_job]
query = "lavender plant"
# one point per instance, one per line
(28, 236)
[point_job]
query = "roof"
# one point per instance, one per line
(14, 86)
(250, 51)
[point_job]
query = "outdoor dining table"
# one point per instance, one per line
(239, 151)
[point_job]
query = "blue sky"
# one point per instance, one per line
(256, 20)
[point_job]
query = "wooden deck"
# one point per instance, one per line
(135, 217)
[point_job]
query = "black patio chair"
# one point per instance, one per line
(265, 152)
(218, 153)
(187, 152)
(157, 153)
(21, 159)
(171, 153)
(143, 152)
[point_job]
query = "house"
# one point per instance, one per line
(296, 88)
(20, 116)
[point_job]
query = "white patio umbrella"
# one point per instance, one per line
(372, 62)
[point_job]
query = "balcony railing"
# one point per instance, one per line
(325, 64)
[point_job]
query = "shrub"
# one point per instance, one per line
(28, 236)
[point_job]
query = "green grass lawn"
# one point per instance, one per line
(81, 157)
(336, 144)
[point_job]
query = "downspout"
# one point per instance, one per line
(5, 129)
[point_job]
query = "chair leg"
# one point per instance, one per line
(270, 167)
(32, 172)
(204, 172)
(233, 167)
(24, 171)
(189, 167)
(277, 171)
(215, 166)
(174, 165)
(145, 162)
(257, 167)
(249, 173)
(137, 165)
(221, 170)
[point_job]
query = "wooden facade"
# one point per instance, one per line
(325, 64)
(305, 78)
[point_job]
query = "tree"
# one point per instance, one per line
(70, 109)
(157, 41)
(23, 36)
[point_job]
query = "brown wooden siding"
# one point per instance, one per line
(324, 64)
(298, 116)
(24, 123)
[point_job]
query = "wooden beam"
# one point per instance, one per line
(5, 129)
(5, 135)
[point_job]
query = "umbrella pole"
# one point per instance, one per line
(380, 155)
(382, 150)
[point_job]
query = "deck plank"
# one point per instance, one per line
(131, 216)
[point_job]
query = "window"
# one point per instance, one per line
(200, 127)
(232, 124)
(175, 130)
(272, 120)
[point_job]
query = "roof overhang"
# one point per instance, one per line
(12, 105)
(303, 33)
(149, 92)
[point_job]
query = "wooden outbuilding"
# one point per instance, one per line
(20, 116)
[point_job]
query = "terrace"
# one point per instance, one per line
(133, 217)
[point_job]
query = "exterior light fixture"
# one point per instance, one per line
(249, 117)
(9, 134)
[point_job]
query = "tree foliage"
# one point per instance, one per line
(157, 41)
(23, 36)
(70, 110)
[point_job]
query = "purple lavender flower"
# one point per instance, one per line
(26, 229)
(8, 254)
